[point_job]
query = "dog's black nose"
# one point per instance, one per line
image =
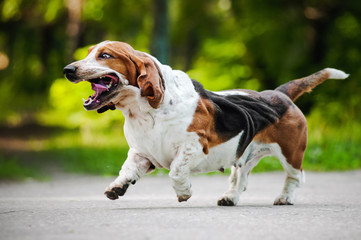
(70, 73)
(70, 69)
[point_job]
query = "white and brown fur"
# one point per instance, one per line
(172, 122)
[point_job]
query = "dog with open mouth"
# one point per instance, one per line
(172, 122)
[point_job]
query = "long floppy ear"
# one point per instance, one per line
(150, 80)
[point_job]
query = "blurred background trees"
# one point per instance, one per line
(255, 44)
(223, 43)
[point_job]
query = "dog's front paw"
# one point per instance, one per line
(113, 192)
(230, 198)
(225, 202)
(183, 198)
(284, 199)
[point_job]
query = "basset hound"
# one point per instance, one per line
(172, 122)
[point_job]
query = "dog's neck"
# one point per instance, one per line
(180, 98)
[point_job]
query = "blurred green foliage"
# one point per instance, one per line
(12, 169)
(253, 44)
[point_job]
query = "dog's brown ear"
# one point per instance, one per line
(91, 48)
(150, 80)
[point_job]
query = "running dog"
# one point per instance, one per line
(172, 122)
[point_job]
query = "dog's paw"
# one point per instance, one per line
(184, 198)
(230, 198)
(114, 192)
(284, 200)
(226, 201)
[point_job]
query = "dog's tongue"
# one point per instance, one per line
(99, 88)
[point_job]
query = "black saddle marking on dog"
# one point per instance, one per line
(248, 113)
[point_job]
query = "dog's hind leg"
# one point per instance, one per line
(293, 180)
(133, 168)
(291, 139)
(294, 177)
(239, 176)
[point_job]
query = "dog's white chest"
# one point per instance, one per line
(159, 143)
(159, 136)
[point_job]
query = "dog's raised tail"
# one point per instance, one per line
(296, 88)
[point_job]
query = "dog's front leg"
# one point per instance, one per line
(187, 157)
(133, 168)
(179, 173)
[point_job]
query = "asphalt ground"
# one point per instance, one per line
(328, 206)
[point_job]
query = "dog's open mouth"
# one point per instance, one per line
(102, 86)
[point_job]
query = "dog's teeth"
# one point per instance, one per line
(109, 86)
(88, 103)
(84, 100)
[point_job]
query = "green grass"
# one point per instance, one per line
(103, 161)
(330, 155)
(13, 169)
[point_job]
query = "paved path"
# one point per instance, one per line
(73, 207)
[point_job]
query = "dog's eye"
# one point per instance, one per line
(105, 56)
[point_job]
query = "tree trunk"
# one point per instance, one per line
(159, 44)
